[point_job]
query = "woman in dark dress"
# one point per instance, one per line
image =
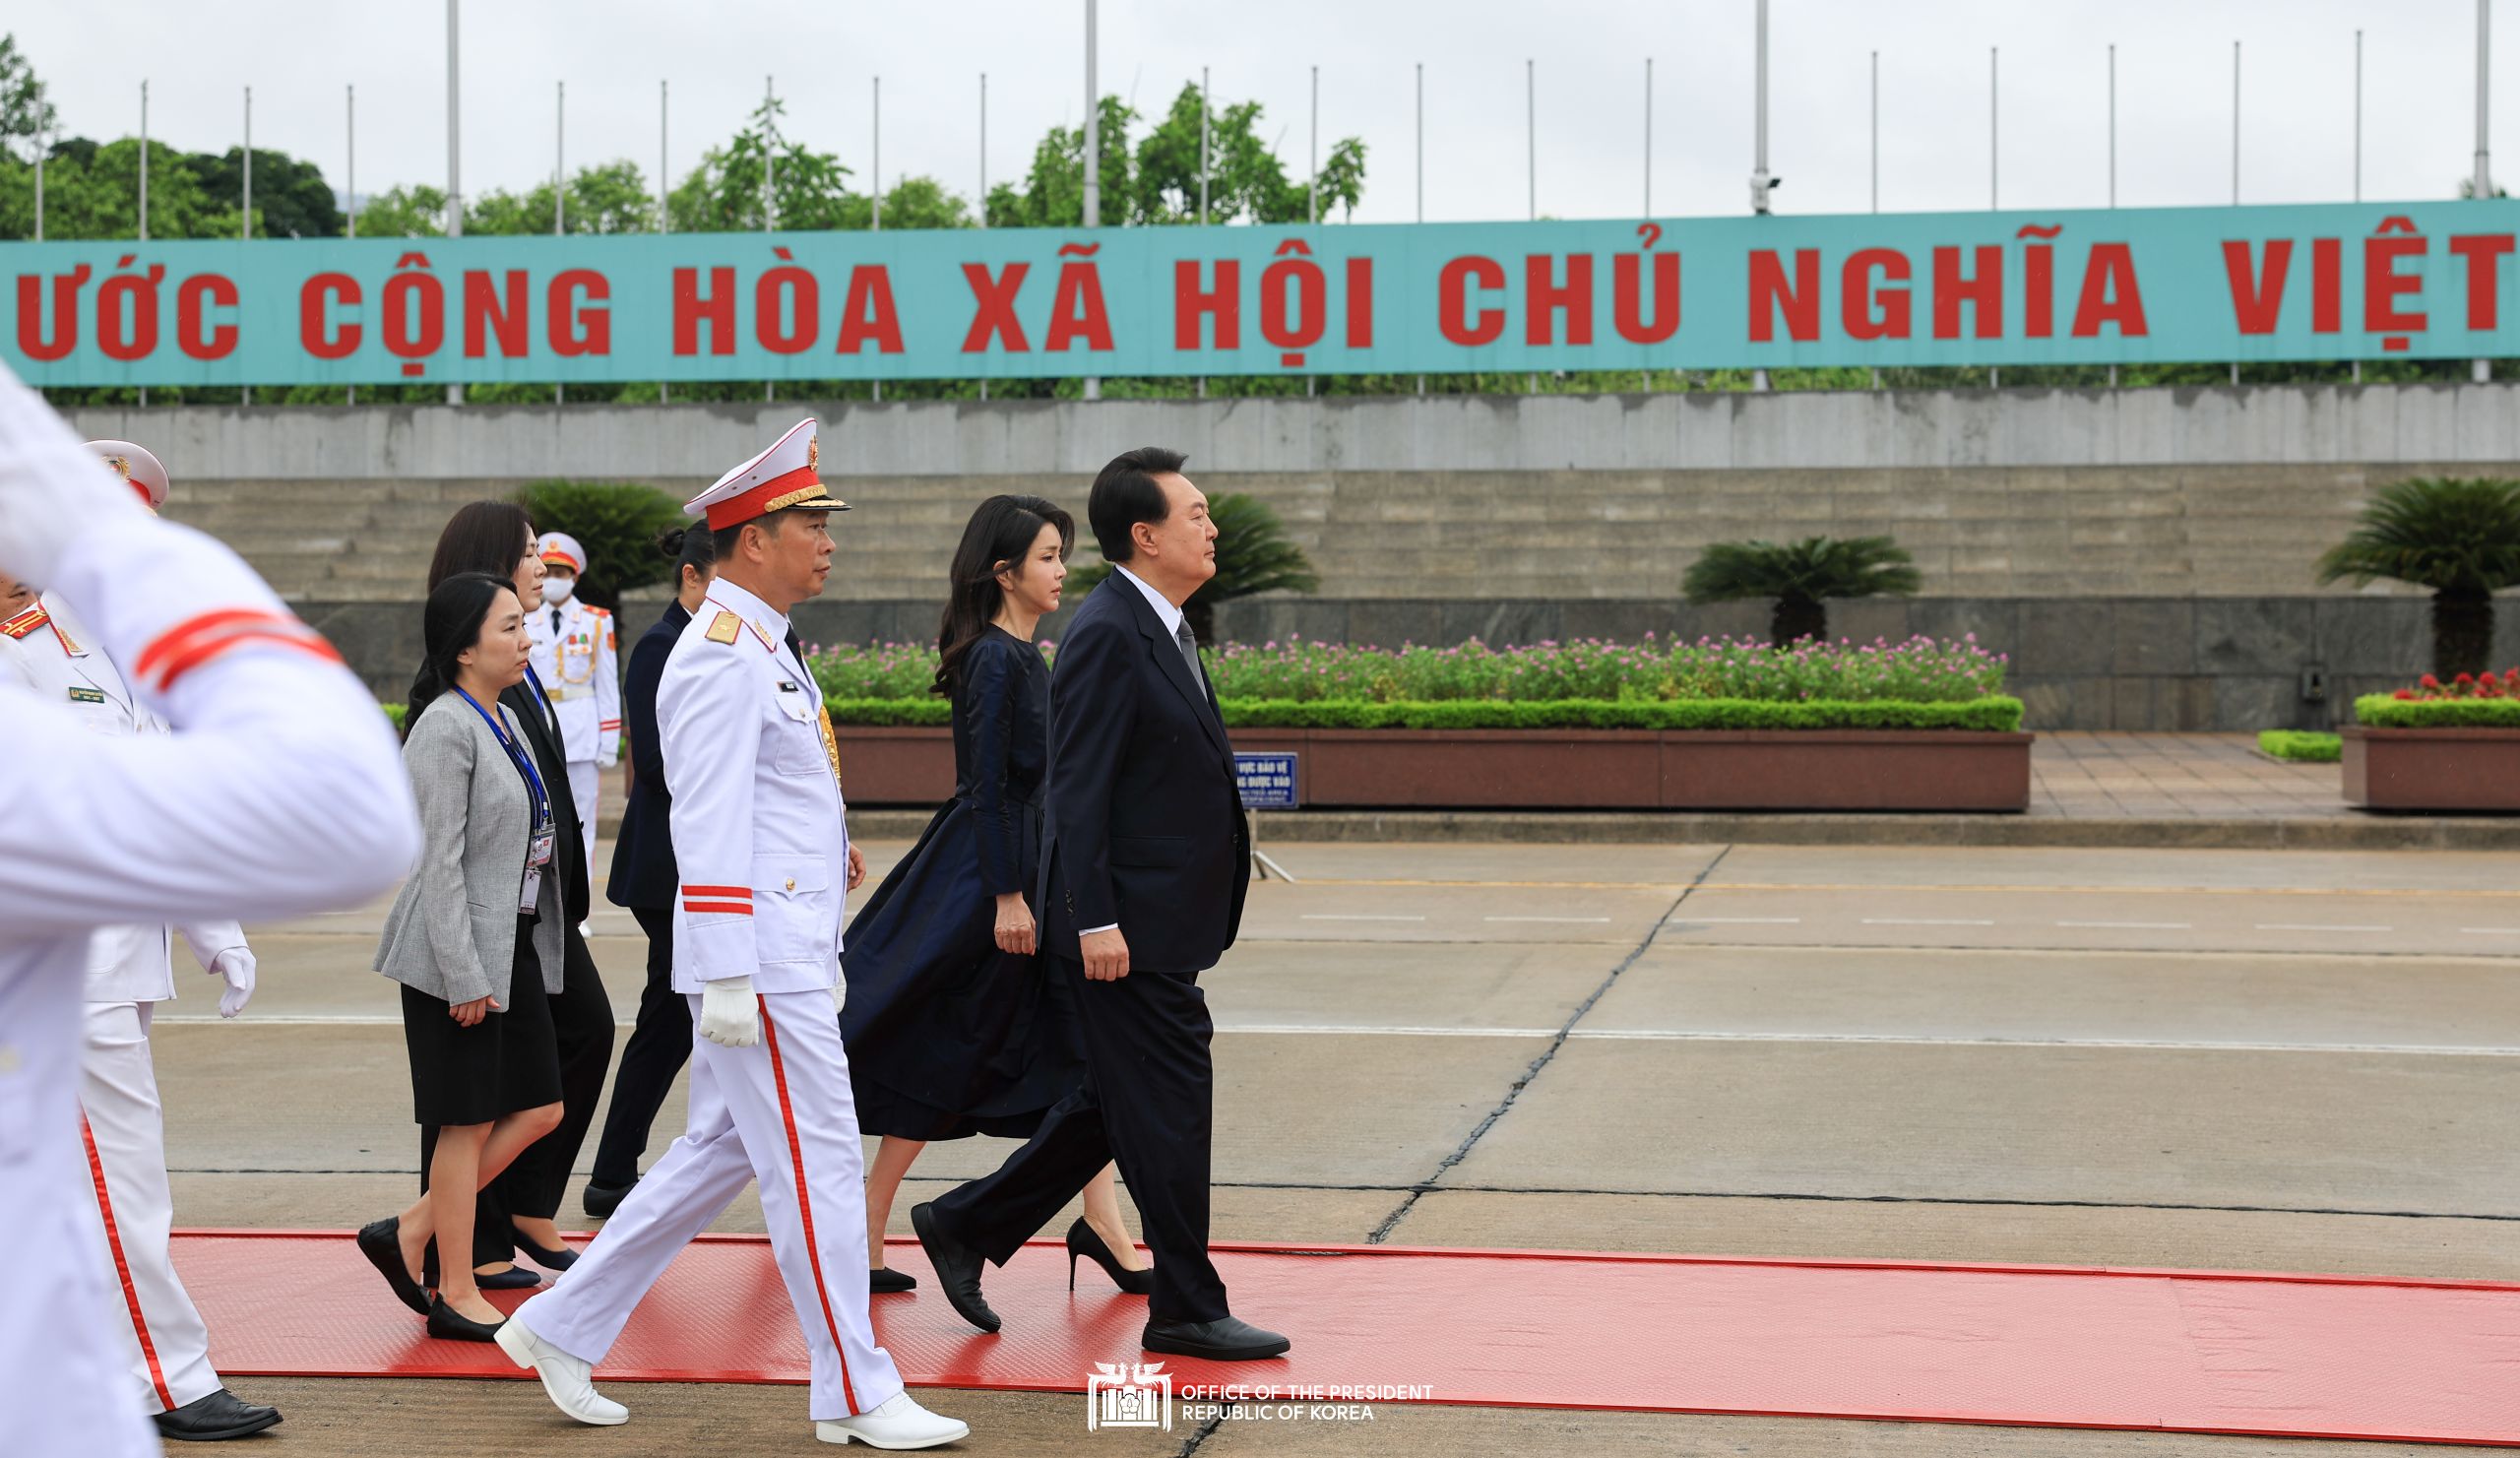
(952, 1025)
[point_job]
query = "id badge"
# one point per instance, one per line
(531, 891)
(538, 854)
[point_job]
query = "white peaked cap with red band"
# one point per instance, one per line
(560, 549)
(781, 478)
(135, 465)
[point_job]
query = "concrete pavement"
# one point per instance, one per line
(2168, 1058)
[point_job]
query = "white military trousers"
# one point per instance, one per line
(780, 1112)
(165, 1344)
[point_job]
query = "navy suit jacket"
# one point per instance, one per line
(643, 870)
(1145, 825)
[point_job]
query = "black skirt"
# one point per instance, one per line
(506, 1063)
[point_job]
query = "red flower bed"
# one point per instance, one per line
(2488, 685)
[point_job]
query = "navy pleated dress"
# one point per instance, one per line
(947, 1036)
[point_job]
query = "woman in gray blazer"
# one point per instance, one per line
(478, 926)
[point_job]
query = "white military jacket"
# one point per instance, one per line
(759, 836)
(579, 661)
(48, 649)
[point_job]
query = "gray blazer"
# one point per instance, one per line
(452, 933)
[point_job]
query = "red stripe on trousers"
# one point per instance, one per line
(122, 1267)
(805, 1201)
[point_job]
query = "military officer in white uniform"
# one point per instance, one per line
(577, 653)
(765, 863)
(279, 792)
(130, 971)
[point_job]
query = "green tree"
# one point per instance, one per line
(91, 190)
(723, 194)
(1053, 190)
(291, 198)
(1801, 577)
(1246, 183)
(618, 525)
(417, 212)
(2460, 538)
(612, 198)
(26, 117)
(1254, 555)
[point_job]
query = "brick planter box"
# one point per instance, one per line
(1563, 769)
(2432, 770)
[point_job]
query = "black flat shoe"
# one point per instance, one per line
(884, 1279)
(453, 1325)
(958, 1268)
(1082, 1241)
(1225, 1339)
(600, 1200)
(549, 1260)
(514, 1278)
(215, 1418)
(382, 1244)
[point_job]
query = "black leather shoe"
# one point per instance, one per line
(453, 1325)
(958, 1268)
(1225, 1339)
(214, 1418)
(514, 1278)
(382, 1244)
(600, 1200)
(883, 1281)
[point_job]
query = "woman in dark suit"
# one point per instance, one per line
(518, 1210)
(474, 940)
(644, 881)
(953, 1024)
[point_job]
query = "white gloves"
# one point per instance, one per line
(235, 967)
(729, 1014)
(606, 759)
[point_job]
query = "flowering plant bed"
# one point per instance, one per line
(2437, 748)
(1711, 725)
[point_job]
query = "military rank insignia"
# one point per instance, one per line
(724, 627)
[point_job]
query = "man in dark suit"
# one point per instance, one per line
(1146, 858)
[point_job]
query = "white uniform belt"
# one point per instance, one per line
(562, 693)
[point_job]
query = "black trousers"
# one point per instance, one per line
(660, 1044)
(1148, 1100)
(530, 1187)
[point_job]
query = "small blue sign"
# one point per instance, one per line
(1266, 781)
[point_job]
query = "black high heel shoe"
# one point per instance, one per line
(453, 1325)
(1082, 1241)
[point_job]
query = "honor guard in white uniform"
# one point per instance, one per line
(577, 653)
(766, 866)
(277, 791)
(130, 971)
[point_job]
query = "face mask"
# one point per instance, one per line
(556, 589)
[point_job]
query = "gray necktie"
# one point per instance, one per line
(1190, 651)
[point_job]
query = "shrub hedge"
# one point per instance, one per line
(2385, 711)
(2302, 746)
(1995, 713)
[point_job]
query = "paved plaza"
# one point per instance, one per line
(2287, 1061)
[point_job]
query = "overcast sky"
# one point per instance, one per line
(2174, 90)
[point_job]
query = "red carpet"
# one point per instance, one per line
(2051, 1346)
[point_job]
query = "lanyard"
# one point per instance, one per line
(524, 761)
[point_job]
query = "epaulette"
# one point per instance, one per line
(724, 627)
(594, 611)
(25, 622)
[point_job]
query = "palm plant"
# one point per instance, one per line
(2460, 538)
(1254, 555)
(1801, 577)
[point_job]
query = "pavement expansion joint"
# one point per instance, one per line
(1392, 1221)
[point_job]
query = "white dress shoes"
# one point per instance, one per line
(569, 1381)
(899, 1424)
